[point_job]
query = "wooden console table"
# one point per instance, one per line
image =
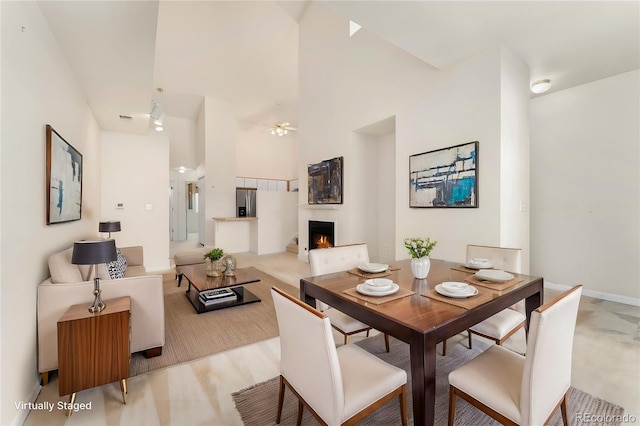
(94, 349)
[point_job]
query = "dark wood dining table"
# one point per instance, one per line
(420, 321)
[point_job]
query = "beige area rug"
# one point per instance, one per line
(257, 405)
(190, 336)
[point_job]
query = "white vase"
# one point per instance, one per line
(420, 267)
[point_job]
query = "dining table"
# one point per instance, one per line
(420, 316)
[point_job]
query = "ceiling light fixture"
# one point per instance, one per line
(281, 129)
(541, 86)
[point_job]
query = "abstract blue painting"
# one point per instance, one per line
(64, 179)
(445, 177)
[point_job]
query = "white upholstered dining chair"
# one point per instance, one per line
(506, 323)
(339, 386)
(524, 390)
(336, 259)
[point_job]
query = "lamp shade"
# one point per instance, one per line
(93, 252)
(110, 226)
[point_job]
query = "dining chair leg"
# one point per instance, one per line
(346, 339)
(564, 410)
(452, 405)
(469, 333)
(403, 405)
(386, 342)
(368, 332)
(300, 410)
(280, 400)
(444, 347)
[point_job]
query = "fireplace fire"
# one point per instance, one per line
(321, 234)
(322, 241)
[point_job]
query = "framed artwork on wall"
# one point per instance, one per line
(64, 180)
(446, 177)
(325, 181)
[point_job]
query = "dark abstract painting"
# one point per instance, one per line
(445, 177)
(64, 179)
(325, 182)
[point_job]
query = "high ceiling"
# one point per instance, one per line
(246, 52)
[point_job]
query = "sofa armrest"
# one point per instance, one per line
(134, 255)
(147, 311)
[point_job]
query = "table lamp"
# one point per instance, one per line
(109, 226)
(93, 253)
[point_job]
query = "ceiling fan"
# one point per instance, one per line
(281, 129)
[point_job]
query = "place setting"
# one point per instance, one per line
(494, 279)
(456, 293)
(378, 291)
(372, 270)
(473, 265)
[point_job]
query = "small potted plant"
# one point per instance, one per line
(419, 250)
(215, 268)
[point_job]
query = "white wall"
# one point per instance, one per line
(259, 154)
(135, 172)
(38, 88)
(347, 83)
(220, 154)
(182, 134)
(585, 181)
(277, 224)
(386, 183)
(514, 155)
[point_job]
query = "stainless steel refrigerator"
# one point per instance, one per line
(245, 202)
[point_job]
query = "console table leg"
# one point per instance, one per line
(123, 387)
(72, 401)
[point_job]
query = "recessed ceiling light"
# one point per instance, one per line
(159, 128)
(541, 86)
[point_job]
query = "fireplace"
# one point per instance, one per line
(321, 234)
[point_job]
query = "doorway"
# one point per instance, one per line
(192, 213)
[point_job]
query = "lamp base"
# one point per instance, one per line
(98, 305)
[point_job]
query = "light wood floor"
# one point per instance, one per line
(606, 363)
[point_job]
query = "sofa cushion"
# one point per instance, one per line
(118, 267)
(135, 271)
(61, 268)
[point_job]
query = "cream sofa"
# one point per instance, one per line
(71, 284)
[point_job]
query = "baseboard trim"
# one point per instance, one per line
(596, 294)
(22, 413)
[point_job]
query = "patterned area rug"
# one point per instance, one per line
(258, 404)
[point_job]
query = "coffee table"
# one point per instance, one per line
(199, 282)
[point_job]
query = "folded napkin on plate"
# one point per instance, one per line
(493, 285)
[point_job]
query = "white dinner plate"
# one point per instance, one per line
(479, 264)
(457, 295)
(455, 287)
(365, 289)
(373, 268)
(494, 275)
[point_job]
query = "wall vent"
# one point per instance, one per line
(125, 117)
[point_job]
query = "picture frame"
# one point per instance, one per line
(445, 178)
(325, 182)
(64, 179)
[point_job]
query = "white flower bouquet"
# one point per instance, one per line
(419, 247)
